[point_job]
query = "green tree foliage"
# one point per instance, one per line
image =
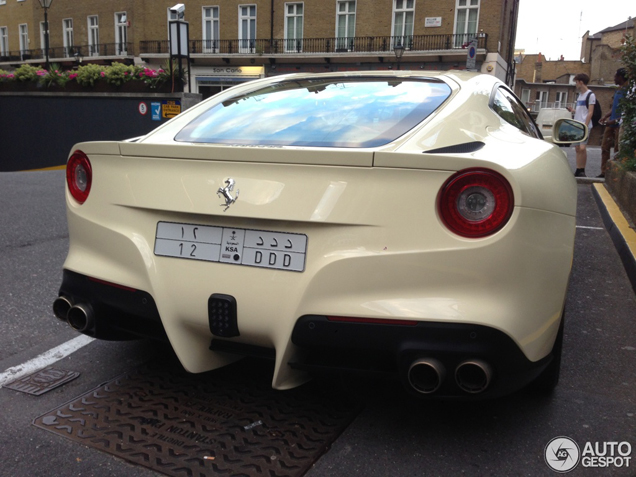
(627, 152)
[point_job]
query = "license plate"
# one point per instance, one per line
(256, 248)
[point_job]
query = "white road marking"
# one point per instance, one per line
(589, 228)
(45, 359)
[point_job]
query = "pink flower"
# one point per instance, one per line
(72, 76)
(103, 74)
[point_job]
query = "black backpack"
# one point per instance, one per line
(598, 112)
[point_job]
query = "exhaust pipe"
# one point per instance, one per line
(426, 375)
(80, 317)
(61, 306)
(473, 376)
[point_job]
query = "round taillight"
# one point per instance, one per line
(475, 203)
(79, 176)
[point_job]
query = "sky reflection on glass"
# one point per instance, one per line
(334, 113)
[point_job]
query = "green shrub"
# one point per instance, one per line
(26, 73)
(5, 76)
(88, 74)
(118, 74)
(627, 151)
(55, 76)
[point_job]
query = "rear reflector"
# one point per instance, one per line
(110, 284)
(372, 321)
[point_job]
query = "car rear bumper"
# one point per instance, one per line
(369, 346)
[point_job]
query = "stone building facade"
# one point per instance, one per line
(233, 41)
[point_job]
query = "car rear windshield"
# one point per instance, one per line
(333, 112)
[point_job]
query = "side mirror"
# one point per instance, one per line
(568, 131)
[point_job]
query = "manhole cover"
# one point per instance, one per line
(43, 381)
(227, 422)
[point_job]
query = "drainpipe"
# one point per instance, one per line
(271, 26)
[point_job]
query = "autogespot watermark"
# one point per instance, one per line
(563, 454)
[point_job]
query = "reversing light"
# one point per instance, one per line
(475, 203)
(79, 176)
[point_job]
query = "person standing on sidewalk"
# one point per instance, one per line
(612, 120)
(584, 114)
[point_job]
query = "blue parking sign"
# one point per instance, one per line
(156, 111)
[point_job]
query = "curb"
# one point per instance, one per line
(590, 180)
(622, 235)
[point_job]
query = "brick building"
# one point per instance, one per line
(549, 84)
(233, 41)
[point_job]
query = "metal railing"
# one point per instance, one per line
(332, 45)
(536, 106)
(71, 52)
(371, 44)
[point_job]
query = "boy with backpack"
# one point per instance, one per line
(585, 105)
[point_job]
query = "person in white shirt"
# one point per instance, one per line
(584, 114)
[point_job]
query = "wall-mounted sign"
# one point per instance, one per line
(170, 108)
(143, 109)
(155, 109)
(433, 22)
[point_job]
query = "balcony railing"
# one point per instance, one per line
(371, 44)
(536, 106)
(71, 52)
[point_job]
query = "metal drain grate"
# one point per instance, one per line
(227, 422)
(42, 381)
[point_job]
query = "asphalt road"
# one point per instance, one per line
(393, 435)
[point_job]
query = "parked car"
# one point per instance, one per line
(412, 224)
(547, 117)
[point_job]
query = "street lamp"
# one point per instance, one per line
(46, 4)
(397, 49)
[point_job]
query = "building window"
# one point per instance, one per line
(24, 41)
(42, 36)
(541, 100)
(466, 17)
(93, 35)
(525, 96)
(403, 13)
(69, 44)
(4, 41)
(247, 28)
(293, 27)
(561, 99)
(211, 33)
(121, 33)
(345, 25)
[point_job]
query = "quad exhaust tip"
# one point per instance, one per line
(473, 376)
(61, 307)
(426, 375)
(80, 317)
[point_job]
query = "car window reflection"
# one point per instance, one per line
(335, 113)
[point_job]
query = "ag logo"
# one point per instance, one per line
(562, 454)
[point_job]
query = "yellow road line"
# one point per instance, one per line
(54, 168)
(618, 218)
